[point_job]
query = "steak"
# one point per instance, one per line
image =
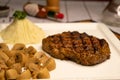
(81, 48)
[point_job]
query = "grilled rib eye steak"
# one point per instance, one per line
(78, 47)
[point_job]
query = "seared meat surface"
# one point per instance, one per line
(78, 47)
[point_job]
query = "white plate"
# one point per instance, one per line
(67, 70)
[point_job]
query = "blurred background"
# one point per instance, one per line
(73, 10)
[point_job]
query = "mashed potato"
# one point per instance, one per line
(22, 31)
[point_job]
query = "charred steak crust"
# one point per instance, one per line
(78, 47)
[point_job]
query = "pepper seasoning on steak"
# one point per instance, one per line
(78, 47)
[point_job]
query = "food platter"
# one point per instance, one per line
(67, 70)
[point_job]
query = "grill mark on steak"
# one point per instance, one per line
(88, 46)
(96, 45)
(78, 47)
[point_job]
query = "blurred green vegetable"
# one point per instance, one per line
(19, 14)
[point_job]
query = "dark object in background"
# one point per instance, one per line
(4, 11)
(89, 0)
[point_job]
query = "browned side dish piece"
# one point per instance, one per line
(78, 47)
